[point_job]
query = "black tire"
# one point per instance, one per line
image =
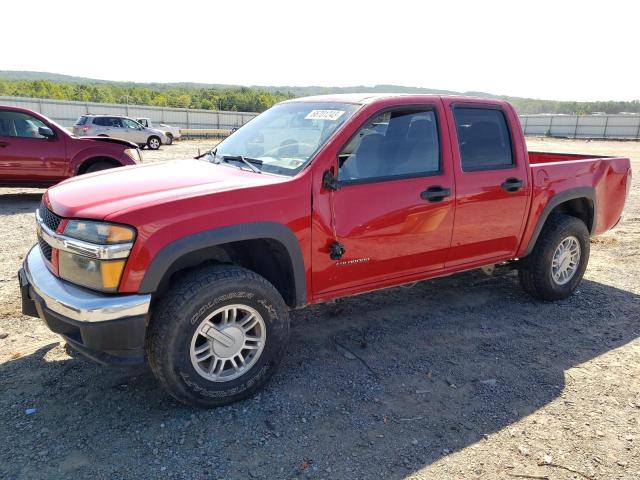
(169, 139)
(154, 142)
(179, 315)
(99, 166)
(535, 271)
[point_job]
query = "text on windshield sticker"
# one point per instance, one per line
(324, 115)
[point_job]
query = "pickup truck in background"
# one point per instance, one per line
(37, 152)
(197, 263)
(172, 133)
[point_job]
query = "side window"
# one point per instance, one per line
(17, 124)
(484, 140)
(128, 123)
(100, 121)
(393, 144)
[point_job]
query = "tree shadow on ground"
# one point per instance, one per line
(443, 364)
(20, 202)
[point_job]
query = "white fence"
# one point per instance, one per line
(66, 113)
(582, 126)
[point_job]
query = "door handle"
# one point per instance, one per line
(511, 184)
(435, 193)
(3, 144)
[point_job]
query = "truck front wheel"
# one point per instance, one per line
(557, 263)
(218, 336)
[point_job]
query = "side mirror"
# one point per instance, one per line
(46, 132)
(329, 181)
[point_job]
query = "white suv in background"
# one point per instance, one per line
(119, 127)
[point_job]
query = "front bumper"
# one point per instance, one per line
(107, 328)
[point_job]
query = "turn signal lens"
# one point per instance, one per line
(111, 273)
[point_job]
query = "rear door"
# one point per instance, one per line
(492, 182)
(25, 155)
(394, 210)
(102, 126)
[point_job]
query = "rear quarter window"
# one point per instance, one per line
(483, 139)
(81, 121)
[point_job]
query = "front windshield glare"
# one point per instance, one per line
(287, 135)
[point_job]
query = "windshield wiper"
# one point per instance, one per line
(211, 151)
(249, 162)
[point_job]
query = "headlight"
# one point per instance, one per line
(98, 260)
(99, 232)
(133, 154)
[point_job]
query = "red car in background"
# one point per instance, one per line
(37, 152)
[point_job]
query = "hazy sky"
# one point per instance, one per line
(565, 50)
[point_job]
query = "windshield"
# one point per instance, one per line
(285, 137)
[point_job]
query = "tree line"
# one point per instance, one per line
(251, 99)
(240, 99)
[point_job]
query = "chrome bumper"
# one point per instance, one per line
(78, 303)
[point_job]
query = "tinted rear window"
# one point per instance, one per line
(102, 121)
(484, 140)
(81, 121)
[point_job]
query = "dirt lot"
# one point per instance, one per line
(470, 378)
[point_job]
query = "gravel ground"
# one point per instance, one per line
(457, 378)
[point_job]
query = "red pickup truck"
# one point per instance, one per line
(197, 262)
(37, 152)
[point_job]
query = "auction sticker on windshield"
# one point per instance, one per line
(324, 114)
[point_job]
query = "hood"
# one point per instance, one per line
(102, 194)
(154, 130)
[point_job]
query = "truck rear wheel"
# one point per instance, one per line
(169, 139)
(557, 263)
(218, 336)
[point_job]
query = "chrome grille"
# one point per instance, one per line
(50, 219)
(45, 248)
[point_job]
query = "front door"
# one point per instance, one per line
(25, 155)
(132, 131)
(492, 184)
(393, 213)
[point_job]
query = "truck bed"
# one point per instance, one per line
(607, 178)
(548, 157)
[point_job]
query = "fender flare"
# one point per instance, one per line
(172, 252)
(562, 197)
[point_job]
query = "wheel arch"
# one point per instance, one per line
(578, 202)
(267, 248)
(86, 163)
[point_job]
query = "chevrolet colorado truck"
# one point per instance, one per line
(171, 133)
(195, 264)
(37, 152)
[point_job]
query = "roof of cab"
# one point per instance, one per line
(367, 98)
